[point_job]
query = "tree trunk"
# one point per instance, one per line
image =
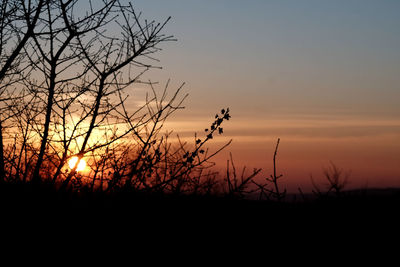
(2, 171)
(36, 175)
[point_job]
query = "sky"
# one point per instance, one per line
(321, 75)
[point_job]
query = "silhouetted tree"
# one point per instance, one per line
(18, 19)
(336, 179)
(239, 187)
(67, 67)
(273, 192)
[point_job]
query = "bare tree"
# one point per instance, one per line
(65, 88)
(239, 187)
(18, 20)
(78, 70)
(337, 179)
(275, 192)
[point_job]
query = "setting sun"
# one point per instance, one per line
(81, 164)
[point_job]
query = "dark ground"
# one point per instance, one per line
(24, 198)
(43, 211)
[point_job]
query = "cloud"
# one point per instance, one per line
(298, 128)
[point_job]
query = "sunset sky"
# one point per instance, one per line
(324, 76)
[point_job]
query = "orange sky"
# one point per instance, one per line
(324, 76)
(369, 149)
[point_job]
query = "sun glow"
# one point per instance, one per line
(81, 164)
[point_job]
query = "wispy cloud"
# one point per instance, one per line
(311, 127)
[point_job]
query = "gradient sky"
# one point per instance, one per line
(323, 75)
